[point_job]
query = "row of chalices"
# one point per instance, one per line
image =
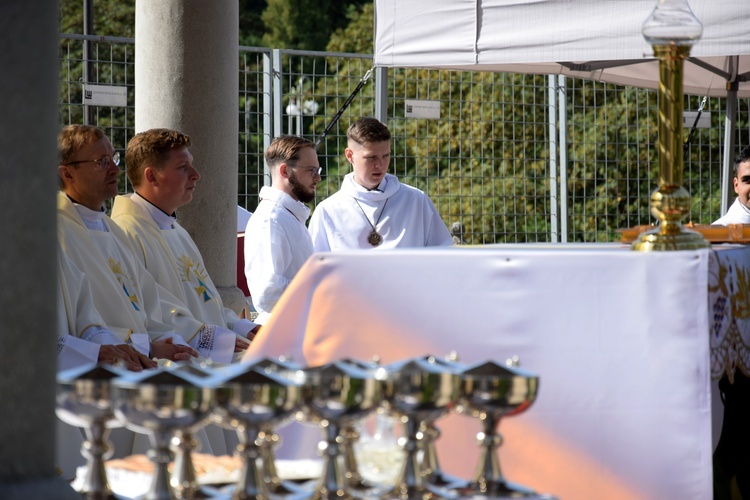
(170, 403)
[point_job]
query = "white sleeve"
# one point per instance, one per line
(214, 343)
(73, 352)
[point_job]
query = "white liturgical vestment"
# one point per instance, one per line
(124, 293)
(81, 330)
(401, 214)
(737, 214)
(173, 259)
(276, 245)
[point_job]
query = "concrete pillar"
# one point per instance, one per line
(28, 120)
(187, 78)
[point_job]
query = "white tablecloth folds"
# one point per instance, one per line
(618, 338)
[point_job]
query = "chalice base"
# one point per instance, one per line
(499, 489)
(656, 240)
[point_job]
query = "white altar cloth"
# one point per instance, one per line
(620, 340)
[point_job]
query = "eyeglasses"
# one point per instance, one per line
(314, 171)
(102, 162)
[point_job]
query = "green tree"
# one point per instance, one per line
(304, 24)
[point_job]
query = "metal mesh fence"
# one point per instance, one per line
(511, 158)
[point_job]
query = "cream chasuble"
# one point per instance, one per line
(175, 262)
(125, 295)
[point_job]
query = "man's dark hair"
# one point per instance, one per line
(742, 157)
(286, 149)
(367, 130)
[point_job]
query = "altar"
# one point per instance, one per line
(626, 345)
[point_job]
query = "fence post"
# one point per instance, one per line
(553, 187)
(381, 94)
(562, 112)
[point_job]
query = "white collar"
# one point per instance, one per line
(162, 219)
(92, 219)
(300, 211)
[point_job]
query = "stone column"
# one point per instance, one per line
(28, 120)
(187, 78)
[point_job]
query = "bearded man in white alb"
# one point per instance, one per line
(276, 239)
(161, 170)
(373, 209)
(739, 212)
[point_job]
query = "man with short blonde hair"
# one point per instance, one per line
(160, 167)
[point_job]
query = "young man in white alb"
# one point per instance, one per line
(373, 209)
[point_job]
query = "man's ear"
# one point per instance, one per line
(149, 175)
(63, 171)
(284, 170)
(348, 153)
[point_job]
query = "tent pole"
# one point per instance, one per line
(730, 125)
(562, 111)
(381, 94)
(553, 187)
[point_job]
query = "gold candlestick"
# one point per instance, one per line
(671, 29)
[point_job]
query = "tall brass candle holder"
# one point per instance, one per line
(671, 29)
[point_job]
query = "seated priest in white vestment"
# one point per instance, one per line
(739, 212)
(372, 209)
(161, 170)
(276, 239)
(83, 337)
(124, 293)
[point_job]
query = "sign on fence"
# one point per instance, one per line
(105, 95)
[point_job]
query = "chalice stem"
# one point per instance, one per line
(333, 478)
(268, 455)
(183, 478)
(349, 436)
(160, 456)
(95, 449)
(250, 484)
(409, 483)
(489, 465)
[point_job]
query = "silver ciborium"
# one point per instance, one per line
(252, 399)
(490, 391)
(158, 403)
(84, 400)
(424, 389)
(336, 395)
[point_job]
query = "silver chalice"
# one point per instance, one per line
(490, 391)
(84, 400)
(337, 394)
(252, 399)
(424, 389)
(158, 403)
(183, 477)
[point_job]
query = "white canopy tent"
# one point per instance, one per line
(592, 39)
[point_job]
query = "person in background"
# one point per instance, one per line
(739, 212)
(372, 209)
(276, 239)
(123, 293)
(161, 170)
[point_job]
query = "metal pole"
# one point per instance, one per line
(269, 112)
(562, 110)
(730, 125)
(88, 64)
(381, 94)
(552, 116)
